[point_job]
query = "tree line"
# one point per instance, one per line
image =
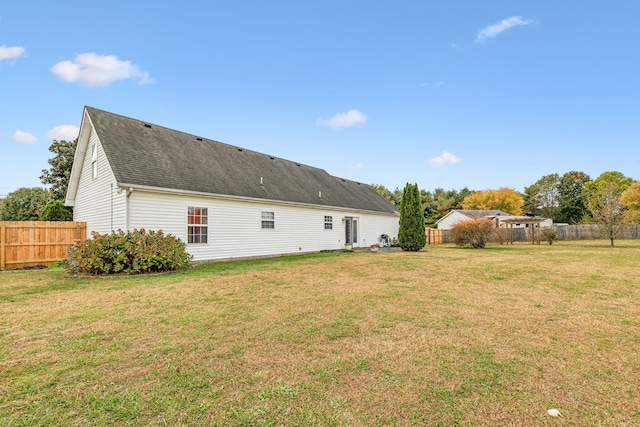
(38, 203)
(609, 201)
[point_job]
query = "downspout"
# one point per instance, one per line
(111, 207)
(126, 204)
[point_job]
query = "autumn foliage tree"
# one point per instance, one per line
(604, 201)
(505, 199)
(411, 234)
(630, 198)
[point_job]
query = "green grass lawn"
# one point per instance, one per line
(445, 336)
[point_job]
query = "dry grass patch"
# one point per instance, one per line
(445, 336)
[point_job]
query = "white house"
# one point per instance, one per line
(502, 218)
(222, 201)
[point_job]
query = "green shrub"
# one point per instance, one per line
(475, 232)
(549, 234)
(133, 252)
(55, 210)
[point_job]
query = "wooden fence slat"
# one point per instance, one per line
(3, 233)
(435, 236)
(36, 243)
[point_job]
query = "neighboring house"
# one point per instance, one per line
(223, 201)
(502, 218)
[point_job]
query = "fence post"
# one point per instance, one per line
(3, 248)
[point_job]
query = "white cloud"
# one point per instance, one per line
(446, 158)
(356, 167)
(13, 52)
(22, 137)
(500, 27)
(344, 120)
(91, 69)
(64, 133)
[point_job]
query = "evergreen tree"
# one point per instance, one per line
(440, 202)
(411, 235)
(55, 210)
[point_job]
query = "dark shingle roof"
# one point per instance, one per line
(149, 155)
(478, 213)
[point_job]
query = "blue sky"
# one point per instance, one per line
(451, 94)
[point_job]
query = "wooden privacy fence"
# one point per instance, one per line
(35, 243)
(436, 236)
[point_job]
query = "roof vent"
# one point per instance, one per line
(320, 194)
(147, 125)
(198, 138)
(239, 149)
(272, 158)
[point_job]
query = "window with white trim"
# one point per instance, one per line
(94, 161)
(197, 229)
(328, 222)
(267, 220)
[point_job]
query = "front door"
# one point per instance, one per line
(351, 230)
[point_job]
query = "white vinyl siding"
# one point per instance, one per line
(233, 232)
(450, 219)
(98, 202)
